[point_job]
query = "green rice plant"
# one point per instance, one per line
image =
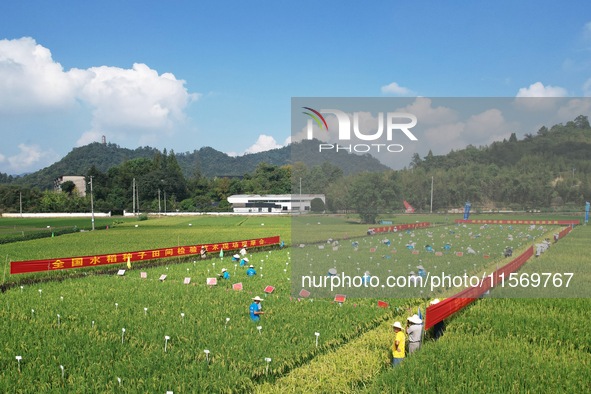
(507, 345)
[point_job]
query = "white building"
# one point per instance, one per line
(273, 203)
(79, 181)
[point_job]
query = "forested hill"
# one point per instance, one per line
(206, 161)
(210, 162)
(559, 148)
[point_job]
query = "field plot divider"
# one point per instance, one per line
(444, 309)
(64, 263)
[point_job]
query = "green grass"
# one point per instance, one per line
(509, 345)
(237, 349)
(94, 357)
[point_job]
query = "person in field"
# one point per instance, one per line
(398, 347)
(412, 279)
(243, 261)
(438, 328)
(421, 271)
(256, 309)
(366, 278)
(251, 271)
(414, 329)
(203, 252)
(225, 274)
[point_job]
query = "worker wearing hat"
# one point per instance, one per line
(398, 345)
(256, 309)
(250, 271)
(243, 261)
(225, 274)
(421, 271)
(414, 329)
(236, 257)
(412, 279)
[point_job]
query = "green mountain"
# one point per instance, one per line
(206, 161)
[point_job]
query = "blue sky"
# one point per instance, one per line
(182, 74)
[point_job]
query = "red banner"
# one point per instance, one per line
(62, 263)
(538, 222)
(444, 309)
(564, 232)
(400, 227)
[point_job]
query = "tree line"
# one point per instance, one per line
(547, 171)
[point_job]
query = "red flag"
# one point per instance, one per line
(409, 208)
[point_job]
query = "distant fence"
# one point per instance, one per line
(399, 227)
(56, 215)
(63, 263)
(536, 222)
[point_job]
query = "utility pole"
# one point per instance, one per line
(20, 202)
(300, 203)
(431, 195)
(133, 196)
(137, 198)
(159, 209)
(91, 203)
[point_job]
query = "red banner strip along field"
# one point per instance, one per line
(491, 221)
(20, 267)
(444, 309)
(400, 227)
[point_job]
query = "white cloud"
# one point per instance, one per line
(396, 89)
(479, 129)
(28, 158)
(486, 127)
(263, 143)
(87, 137)
(134, 104)
(538, 97)
(423, 109)
(573, 108)
(539, 90)
(30, 81)
(133, 99)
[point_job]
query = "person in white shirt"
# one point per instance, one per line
(414, 329)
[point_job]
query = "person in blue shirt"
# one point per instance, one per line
(225, 274)
(250, 271)
(236, 257)
(243, 261)
(366, 278)
(422, 273)
(256, 309)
